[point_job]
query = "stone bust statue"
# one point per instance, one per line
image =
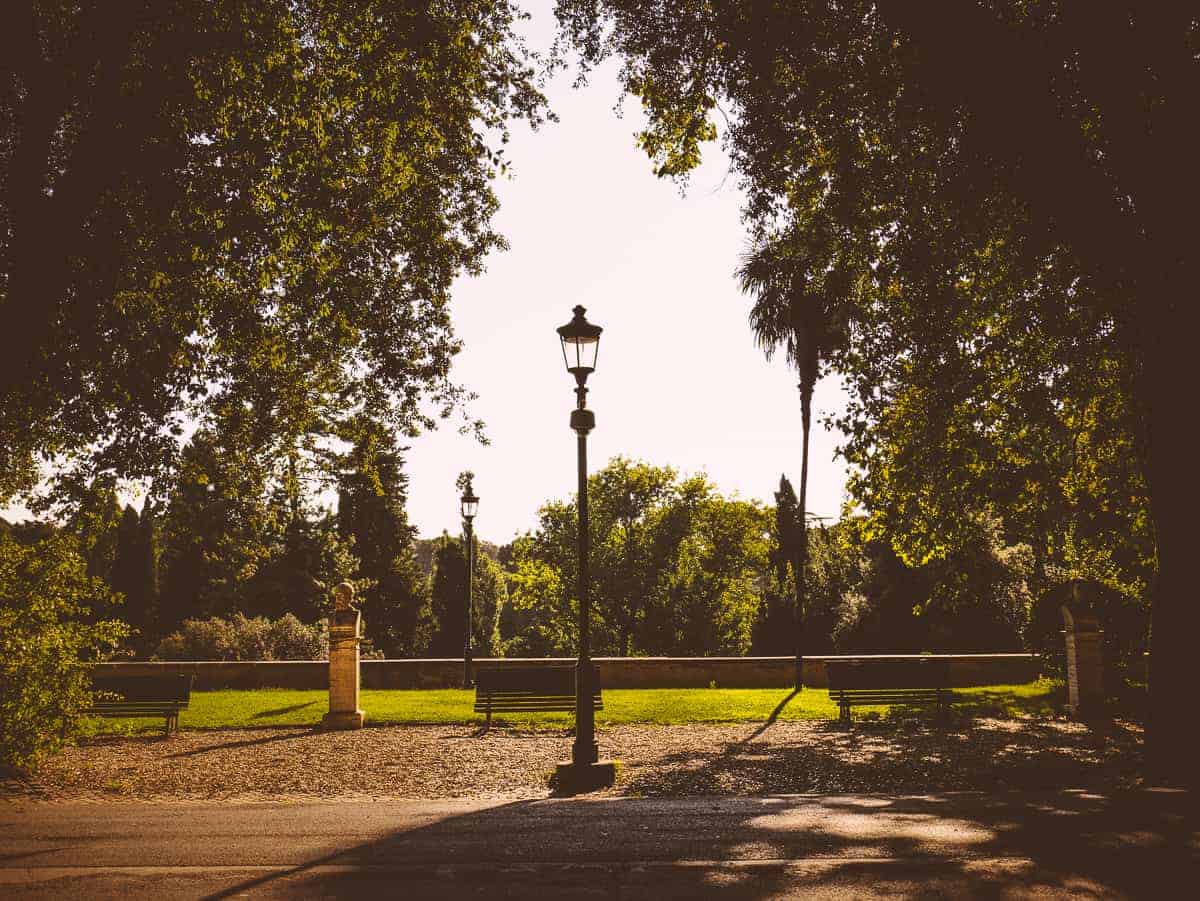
(344, 613)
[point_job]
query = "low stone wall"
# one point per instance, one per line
(615, 672)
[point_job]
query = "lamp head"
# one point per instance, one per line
(580, 345)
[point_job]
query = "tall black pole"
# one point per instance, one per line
(586, 749)
(467, 651)
(806, 393)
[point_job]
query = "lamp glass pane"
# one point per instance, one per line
(588, 348)
(580, 353)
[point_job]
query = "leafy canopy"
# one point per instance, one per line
(268, 201)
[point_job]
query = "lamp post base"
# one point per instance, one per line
(572, 778)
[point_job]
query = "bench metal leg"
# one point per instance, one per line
(844, 715)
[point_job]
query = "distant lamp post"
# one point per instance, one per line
(470, 506)
(580, 345)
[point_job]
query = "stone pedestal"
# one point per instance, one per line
(344, 638)
(1085, 665)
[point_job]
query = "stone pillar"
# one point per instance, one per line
(343, 662)
(1085, 668)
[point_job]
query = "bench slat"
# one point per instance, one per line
(530, 689)
(141, 696)
(891, 682)
(531, 695)
(527, 702)
(564, 704)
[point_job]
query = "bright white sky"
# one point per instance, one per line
(679, 380)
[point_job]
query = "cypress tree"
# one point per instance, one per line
(775, 627)
(134, 574)
(372, 494)
(449, 598)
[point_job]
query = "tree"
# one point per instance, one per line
(55, 620)
(218, 528)
(449, 598)
(882, 132)
(134, 574)
(707, 602)
(675, 568)
(796, 314)
(776, 631)
(541, 618)
(490, 600)
(372, 492)
(300, 571)
(95, 520)
(628, 558)
(268, 200)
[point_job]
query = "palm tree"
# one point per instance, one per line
(793, 312)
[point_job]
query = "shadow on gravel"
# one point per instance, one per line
(901, 753)
(1068, 844)
(246, 743)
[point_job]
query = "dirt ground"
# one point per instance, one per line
(885, 755)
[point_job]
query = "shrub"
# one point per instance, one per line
(50, 630)
(245, 638)
(290, 639)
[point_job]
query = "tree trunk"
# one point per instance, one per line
(1172, 477)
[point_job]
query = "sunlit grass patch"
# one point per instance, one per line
(241, 709)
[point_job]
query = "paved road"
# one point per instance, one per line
(1140, 844)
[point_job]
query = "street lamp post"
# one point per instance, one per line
(470, 506)
(580, 344)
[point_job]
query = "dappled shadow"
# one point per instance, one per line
(1065, 843)
(897, 754)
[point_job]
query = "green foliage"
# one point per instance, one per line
(449, 598)
(241, 534)
(372, 492)
(489, 601)
(218, 528)
(245, 638)
(996, 262)
(269, 201)
(977, 599)
(135, 573)
(96, 521)
(675, 568)
(299, 576)
(542, 616)
(51, 629)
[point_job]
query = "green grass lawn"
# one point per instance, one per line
(233, 709)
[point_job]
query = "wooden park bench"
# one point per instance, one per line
(135, 696)
(529, 689)
(868, 682)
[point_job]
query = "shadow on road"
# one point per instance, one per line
(1076, 843)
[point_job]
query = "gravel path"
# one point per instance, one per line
(893, 755)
